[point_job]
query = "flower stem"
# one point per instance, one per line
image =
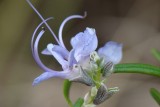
(137, 68)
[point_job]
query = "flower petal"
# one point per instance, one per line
(50, 74)
(68, 74)
(57, 56)
(58, 49)
(71, 59)
(42, 77)
(46, 52)
(84, 43)
(112, 51)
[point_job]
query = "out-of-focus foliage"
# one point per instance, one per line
(156, 54)
(155, 94)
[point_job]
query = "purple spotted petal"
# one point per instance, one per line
(111, 51)
(84, 43)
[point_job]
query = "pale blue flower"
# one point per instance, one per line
(84, 43)
(73, 61)
(112, 51)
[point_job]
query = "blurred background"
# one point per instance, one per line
(135, 23)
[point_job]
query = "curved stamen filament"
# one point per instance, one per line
(64, 22)
(36, 55)
(43, 21)
(63, 74)
(34, 46)
(35, 31)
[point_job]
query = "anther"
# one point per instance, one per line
(43, 28)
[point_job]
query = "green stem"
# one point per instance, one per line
(66, 91)
(138, 68)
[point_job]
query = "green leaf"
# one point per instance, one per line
(137, 68)
(79, 102)
(66, 90)
(155, 94)
(156, 54)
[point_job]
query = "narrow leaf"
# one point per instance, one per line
(66, 90)
(155, 94)
(156, 54)
(79, 103)
(137, 68)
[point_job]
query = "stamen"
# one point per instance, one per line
(64, 22)
(62, 74)
(35, 31)
(43, 21)
(36, 55)
(43, 28)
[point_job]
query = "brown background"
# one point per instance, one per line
(135, 23)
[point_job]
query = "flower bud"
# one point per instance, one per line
(103, 94)
(94, 56)
(107, 69)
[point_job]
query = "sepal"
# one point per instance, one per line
(83, 76)
(103, 94)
